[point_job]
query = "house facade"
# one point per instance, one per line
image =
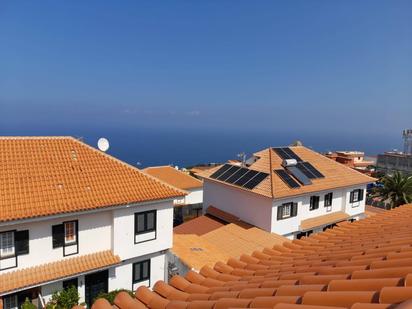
(188, 206)
(74, 216)
(291, 191)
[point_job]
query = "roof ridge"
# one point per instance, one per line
(12, 137)
(130, 166)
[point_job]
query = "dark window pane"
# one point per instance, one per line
(140, 223)
(150, 221)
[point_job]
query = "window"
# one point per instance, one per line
(22, 242)
(287, 210)
(141, 271)
(10, 302)
(314, 202)
(328, 199)
(145, 222)
(356, 196)
(7, 244)
(70, 232)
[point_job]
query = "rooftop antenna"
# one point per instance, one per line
(103, 144)
(242, 157)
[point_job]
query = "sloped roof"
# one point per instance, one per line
(333, 217)
(336, 175)
(41, 274)
(174, 177)
(366, 264)
(41, 176)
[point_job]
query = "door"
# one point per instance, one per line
(95, 284)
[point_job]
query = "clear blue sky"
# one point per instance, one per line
(313, 66)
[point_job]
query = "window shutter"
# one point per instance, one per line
(360, 194)
(22, 242)
(58, 235)
(351, 197)
(280, 208)
(294, 210)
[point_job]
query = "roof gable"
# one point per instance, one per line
(43, 176)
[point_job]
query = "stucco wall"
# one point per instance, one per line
(195, 196)
(247, 206)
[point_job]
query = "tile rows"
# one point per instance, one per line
(359, 265)
(37, 275)
(46, 176)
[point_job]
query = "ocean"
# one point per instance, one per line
(142, 147)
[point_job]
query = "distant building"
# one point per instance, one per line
(72, 215)
(186, 207)
(353, 159)
(291, 191)
(394, 161)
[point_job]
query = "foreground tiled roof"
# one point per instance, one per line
(360, 265)
(336, 175)
(42, 176)
(372, 210)
(34, 276)
(174, 177)
(208, 239)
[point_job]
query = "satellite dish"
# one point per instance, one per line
(103, 144)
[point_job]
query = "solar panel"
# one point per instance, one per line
(287, 179)
(220, 171)
(313, 170)
(228, 173)
(239, 173)
(287, 153)
(245, 178)
(255, 180)
(305, 171)
(281, 153)
(292, 154)
(297, 173)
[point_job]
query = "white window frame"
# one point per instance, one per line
(7, 244)
(356, 196)
(74, 226)
(286, 210)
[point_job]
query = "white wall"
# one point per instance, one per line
(94, 236)
(249, 207)
(121, 277)
(195, 196)
(123, 230)
(340, 202)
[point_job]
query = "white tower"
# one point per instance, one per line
(407, 141)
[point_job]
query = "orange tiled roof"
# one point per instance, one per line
(174, 177)
(43, 176)
(198, 226)
(336, 175)
(366, 264)
(334, 217)
(37, 275)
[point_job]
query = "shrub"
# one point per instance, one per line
(112, 295)
(64, 299)
(28, 304)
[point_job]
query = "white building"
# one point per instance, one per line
(72, 215)
(291, 191)
(186, 207)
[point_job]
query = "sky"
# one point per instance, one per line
(316, 67)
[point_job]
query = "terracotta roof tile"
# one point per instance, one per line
(43, 176)
(174, 177)
(336, 175)
(56, 270)
(313, 273)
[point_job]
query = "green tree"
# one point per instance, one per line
(28, 304)
(397, 189)
(65, 299)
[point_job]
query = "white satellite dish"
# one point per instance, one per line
(103, 144)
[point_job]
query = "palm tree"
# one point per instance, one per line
(397, 189)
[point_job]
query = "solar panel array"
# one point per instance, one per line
(303, 172)
(239, 176)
